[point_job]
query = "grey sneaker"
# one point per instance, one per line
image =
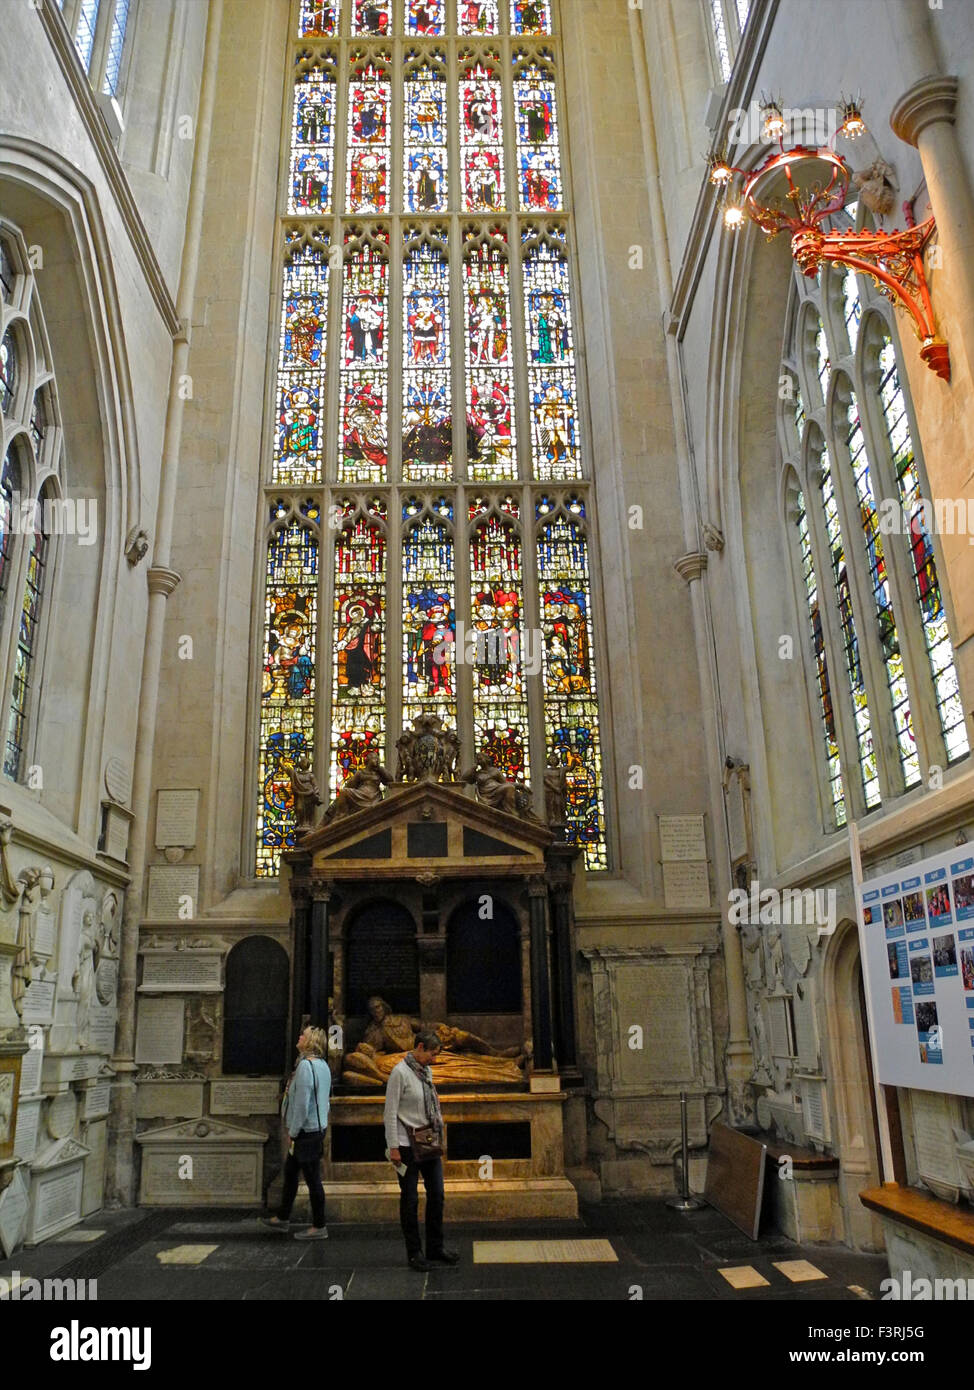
(313, 1233)
(274, 1223)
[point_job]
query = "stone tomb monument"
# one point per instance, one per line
(439, 898)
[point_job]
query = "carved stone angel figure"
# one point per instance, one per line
(362, 790)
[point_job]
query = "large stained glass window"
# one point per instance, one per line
(822, 680)
(870, 633)
(427, 498)
(940, 652)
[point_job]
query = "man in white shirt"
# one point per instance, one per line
(411, 1104)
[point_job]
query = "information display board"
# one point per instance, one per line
(916, 927)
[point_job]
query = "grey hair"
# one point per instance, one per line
(429, 1040)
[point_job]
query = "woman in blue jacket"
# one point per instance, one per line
(304, 1110)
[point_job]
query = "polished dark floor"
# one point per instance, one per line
(662, 1254)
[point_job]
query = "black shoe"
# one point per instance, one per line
(420, 1263)
(444, 1257)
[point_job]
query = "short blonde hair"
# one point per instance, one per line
(317, 1043)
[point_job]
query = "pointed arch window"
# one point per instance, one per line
(884, 640)
(427, 403)
(30, 492)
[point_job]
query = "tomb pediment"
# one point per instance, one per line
(425, 827)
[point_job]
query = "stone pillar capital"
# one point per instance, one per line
(691, 566)
(928, 101)
(162, 580)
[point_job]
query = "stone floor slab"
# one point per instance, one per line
(743, 1277)
(798, 1271)
(543, 1252)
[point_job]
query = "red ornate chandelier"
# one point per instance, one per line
(797, 189)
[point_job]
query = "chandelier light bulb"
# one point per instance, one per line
(720, 171)
(852, 125)
(773, 125)
(733, 216)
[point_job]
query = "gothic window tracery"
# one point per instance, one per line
(427, 419)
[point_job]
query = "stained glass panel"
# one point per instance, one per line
(371, 16)
(8, 370)
(497, 627)
(312, 138)
(551, 365)
(84, 34)
(7, 272)
(490, 374)
(301, 371)
(367, 188)
(850, 639)
(427, 417)
(26, 651)
(883, 599)
(426, 17)
(933, 619)
(570, 701)
(481, 141)
(428, 615)
(852, 308)
(538, 158)
(425, 181)
(823, 683)
(288, 689)
(9, 484)
(319, 18)
(478, 17)
(530, 16)
(358, 635)
(364, 434)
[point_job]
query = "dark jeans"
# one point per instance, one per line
(311, 1172)
(432, 1171)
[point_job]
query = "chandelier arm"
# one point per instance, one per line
(922, 314)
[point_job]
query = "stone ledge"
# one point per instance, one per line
(923, 1213)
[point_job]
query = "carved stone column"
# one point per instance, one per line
(540, 977)
(560, 860)
(317, 989)
(300, 950)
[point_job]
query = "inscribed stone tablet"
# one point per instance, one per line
(935, 1145)
(31, 1062)
(96, 1142)
(778, 1027)
(686, 886)
(657, 998)
(97, 1099)
(682, 838)
(44, 926)
(38, 1002)
(173, 892)
(13, 1212)
(57, 1201)
(61, 1115)
(28, 1121)
(169, 1100)
(219, 1178)
(813, 1108)
(806, 1031)
(176, 812)
(101, 1028)
(159, 1037)
(244, 1097)
(178, 970)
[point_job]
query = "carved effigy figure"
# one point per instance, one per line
(492, 787)
(465, 1057)
(304, 788)
(450, 751)
(83, 981)
(362, 791)
(555, 790)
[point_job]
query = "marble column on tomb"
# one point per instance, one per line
(540, 975)
(161, 581)
(924, 117)
(300, 954)
(318, 962)
(563, 977)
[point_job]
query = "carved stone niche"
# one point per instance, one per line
(654, 1039)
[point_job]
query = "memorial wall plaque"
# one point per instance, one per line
(173, 892)
(38, 1002)
(70, 1066)
(181, 970)
(55, 1191)
(97, 1099)
(101, 1028)
(159, 1036)
(32, 1062)
(62, 1112)
(44, 928)
(225, 1163)
(936, 1149)
(245, 1097)
(14, 1201)
(169, 1100)
(28, 1125)
(813, 1108)
(658, 998)
(177, 810)
(777, 1013)
(686, 886)
(682, 838)
(95, 1139)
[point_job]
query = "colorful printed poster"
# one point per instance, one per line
(929, 1034)
(921, 967)
(962, 887)
(893, 918)
(944, 956)
(938, 898)
(914, 912)
(965, 938)
(902, 1005)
